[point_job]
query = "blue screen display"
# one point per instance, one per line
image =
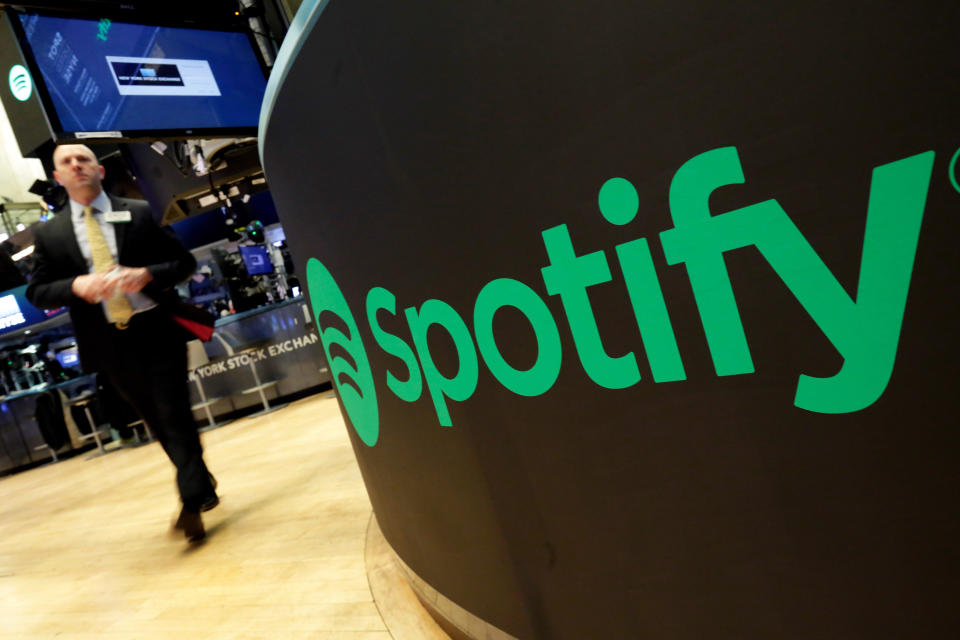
(16, 313)
(257, 260)
(115, 76)
(69, 357)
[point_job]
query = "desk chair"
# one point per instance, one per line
(49, 416)
(84, 400)
(146, 428)
(197, 357)
(258, 387)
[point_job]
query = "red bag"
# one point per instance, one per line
(198, 322)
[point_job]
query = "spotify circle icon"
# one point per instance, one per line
(346, 355)
(21, 86)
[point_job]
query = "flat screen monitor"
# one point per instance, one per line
(17, 313)
(257, 260)
(69, 357)
(103, 80)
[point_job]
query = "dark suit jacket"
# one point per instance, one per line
(140, 243)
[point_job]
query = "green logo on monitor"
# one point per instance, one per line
(346, 355)
(21, 86)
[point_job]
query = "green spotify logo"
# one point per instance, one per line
(864, 329)
(21, 86)
(346, 355)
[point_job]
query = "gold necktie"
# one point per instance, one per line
(119, 308)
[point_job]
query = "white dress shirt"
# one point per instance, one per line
(101, 204)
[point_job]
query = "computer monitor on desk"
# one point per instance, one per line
(257, 260)
(68, 357)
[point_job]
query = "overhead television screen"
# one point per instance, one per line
(116, 79)
(17, 313)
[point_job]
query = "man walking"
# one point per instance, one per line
(115, 268)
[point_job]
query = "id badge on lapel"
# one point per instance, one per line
(120, 220)
(115, 217)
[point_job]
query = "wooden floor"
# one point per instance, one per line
(85, 550)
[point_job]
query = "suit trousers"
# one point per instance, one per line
(147, 365)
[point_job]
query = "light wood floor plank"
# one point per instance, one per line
(85, 550)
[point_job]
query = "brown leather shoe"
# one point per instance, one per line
(191, 524)
(210, 503)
